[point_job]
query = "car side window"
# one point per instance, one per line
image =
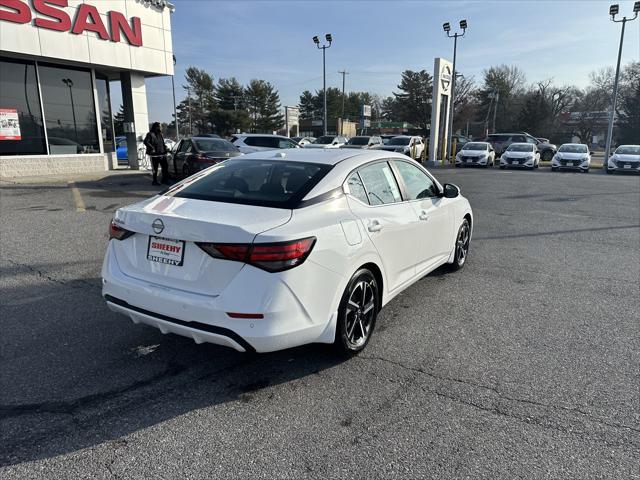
(184, 146)
(418, 184)
(356, 188)
(518, 138)
(284, 143)
(380, 184)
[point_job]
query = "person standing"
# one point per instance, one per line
(156, 149)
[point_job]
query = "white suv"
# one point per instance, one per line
(256, 142)
(327, 141)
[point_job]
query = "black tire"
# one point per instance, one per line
(357, 313)
(547, 155)
(585, 171)
(502, 167)
(609, 172)
(554, 169)
(463, 239)
(186, 171)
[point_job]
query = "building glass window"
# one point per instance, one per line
(21, 130)
(104, 104)
(69, 109)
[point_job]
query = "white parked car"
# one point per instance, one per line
(276, 249)
(626, 158)
(521, 155)
(476, 153)
(410, 146)
(572, 156)
(258, 142)
(327, 141)
(303, 141)
(363, 142)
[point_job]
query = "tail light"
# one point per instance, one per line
(272, 257)
(117, 232)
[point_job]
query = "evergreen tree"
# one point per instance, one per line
(231, 114)
(307, 106)
(197, 108)
(263, 103)
(118, 122)
(414, 98)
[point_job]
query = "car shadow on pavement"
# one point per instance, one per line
(76, 375)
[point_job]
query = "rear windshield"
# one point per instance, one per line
(324, 140)
(628, 150)
(358, 141)
(268, 183)
(399, 141)
(573, 149)
(498, 138)
(475, 146)
(213, 145)
(519, 147)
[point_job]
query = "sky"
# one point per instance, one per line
(376, 40)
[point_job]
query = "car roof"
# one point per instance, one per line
(521, 143)
(574, 144)
(259, 135)
(328, 156)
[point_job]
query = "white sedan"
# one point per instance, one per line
(626, 158)
(520, 155)
(277, 249)
(476, 153)
(571, 156)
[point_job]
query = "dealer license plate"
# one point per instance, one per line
(166, 250)
(627, 166)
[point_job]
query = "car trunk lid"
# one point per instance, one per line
(164, 251)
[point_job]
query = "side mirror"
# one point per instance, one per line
(450, 190)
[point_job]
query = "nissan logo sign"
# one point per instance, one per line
(445, 77)
(157, 225)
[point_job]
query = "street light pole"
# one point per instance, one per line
(613, 11)
(324, 47)
(447, 28)
(69, 83)
(344, 73)
(175, 111)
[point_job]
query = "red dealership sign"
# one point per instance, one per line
(86, 19)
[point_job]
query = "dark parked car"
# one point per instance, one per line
(500, 142)
(191, 155)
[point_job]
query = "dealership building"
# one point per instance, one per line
(58, 59)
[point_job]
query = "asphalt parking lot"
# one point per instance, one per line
(522, 365)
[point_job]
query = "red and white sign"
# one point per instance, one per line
(166, 250)
(9, 124)
(86, 18)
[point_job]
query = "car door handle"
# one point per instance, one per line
(374, 226)
(423, 215)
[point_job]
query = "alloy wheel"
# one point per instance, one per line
(359, 313)
(462, 244)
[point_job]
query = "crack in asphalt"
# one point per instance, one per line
(78, 283)
(72, 406)
(115, 445)
(572, 410)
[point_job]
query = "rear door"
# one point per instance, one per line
(391, 224)
(435, 214)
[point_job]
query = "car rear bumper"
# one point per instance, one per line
(286, 321)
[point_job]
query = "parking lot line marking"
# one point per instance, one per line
(77, 198)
